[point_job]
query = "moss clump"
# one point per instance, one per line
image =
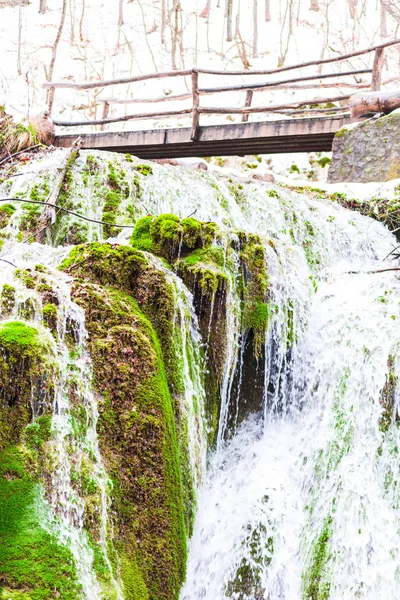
(7, 299)
(388, 397)
(50, 314)
(256, 307)
(26, 379)
(143, 169)
(110, 211)
(6, 212)
(171, 237)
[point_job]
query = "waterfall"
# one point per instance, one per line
(295, 495)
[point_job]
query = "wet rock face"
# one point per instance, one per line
(368, 152)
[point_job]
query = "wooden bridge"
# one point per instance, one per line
(308, 125)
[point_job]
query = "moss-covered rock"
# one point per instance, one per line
(33, 563)
(27, 374)
(138, 443)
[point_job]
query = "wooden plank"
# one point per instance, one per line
(271, 84)
(288, 135)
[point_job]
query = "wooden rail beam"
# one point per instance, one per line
(124, 80)
(270, 84)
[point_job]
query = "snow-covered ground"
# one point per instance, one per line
(94, 47)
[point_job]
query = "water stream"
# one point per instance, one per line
(301, 500)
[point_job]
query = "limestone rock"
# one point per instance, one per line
(369, 151)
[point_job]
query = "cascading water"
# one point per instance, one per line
(300, 498)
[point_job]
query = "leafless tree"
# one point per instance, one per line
(50, 97)
(287, 24)
(175, 31)
(163, 21)
(81, 21)
(255, 28)
(267, 11)
(383, 20)
(241, 45)
(228, 14)
(43, 6)
(353, 8)
(19, 67)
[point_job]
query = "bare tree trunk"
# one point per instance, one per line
(229, 10)
(120, 13)
(43, 6)
(267, 11)
(19, 67)
(176, 7)
(208, 9)
(289, 18)
(81, 21)
(353, 8)
(314, 5)
(240, 45)
(163, 21)
(255, 28)
(50, 97)
(383, 20)
(72, 20)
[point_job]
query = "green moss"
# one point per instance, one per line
(138, 442)
(6, 212)
(18, 334)
(341, 133)
(50, 314)
(7, 299)
(316, 585)
(31, 559)
(110, 212)
(144, 169)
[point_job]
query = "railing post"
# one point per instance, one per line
(377, 69)
(106, 112)
(249, 98)
(195, 106)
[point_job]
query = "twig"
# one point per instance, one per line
(8, 262)
(373, 272)
(20, 152)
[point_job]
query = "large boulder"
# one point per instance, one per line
(368, 151)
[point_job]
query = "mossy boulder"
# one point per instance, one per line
(369, 151)
(171, 237)
(138, 442)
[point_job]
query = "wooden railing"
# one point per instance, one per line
(288, 108)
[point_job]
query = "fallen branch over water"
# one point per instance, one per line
(373, 272)
(70, 212)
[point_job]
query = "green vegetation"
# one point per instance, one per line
(316, 585)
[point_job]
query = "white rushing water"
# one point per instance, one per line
(300, 501)
(304, 503)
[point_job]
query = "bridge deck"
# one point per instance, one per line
(269, 137)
